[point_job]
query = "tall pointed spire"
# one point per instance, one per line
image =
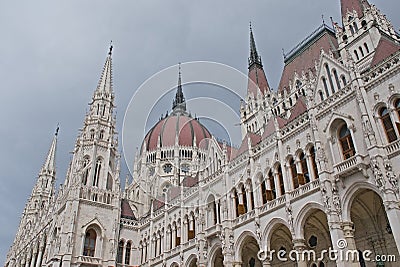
(257, 79)
(179, 103)
(105, 82)
(254, 57)
(49, 165)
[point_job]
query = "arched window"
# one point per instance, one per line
(313, 162)
(86, 170)
(280, 179)
(351, 30)
(90, 243)
(325, 86)
(263, 192)
(366, 48)
(128, 253)
(397, 105)
(356, 54)
(293, 171)
(236, 201)
(321, 96)
(346, 142)
(361, 51)
(101, 135)
(244, 196)
(387, 125)
(355, 26)
(328, 72)
(337, 79)
(343, 80)
(120, 251)
(305, 176)
(97, 173)
(91, 134)
(272, 192)
(109, 182)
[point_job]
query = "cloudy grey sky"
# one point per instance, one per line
(52, 53)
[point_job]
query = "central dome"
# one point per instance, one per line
(180, 127)
(177, 128)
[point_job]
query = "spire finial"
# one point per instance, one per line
(323, 19)
(254, 57)
(57, 129)
(110, 49)
(179, 101)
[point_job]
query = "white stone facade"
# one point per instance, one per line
(318, 167)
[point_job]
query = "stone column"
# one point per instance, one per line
(299, 245)
(393, 214)
(40, 254)
(348, 231)
(33, 260)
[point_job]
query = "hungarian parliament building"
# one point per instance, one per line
(317, 169)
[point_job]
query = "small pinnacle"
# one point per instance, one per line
(323, 20)
(57, 129)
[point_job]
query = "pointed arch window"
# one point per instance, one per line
(86, 170)
(366, 48)
(91, 134)
(120, 251)
(263, 191)
(325, 86)
(101, 135)
(293, 171)
(361, 51)
(90, 243)
(387, 125)
(271, 194)
(346, 142)
(343, 80)
(128, 253)
(356, 54)
(97, 173)
(280, 179)
(328, 72)
(313, 162)
(305, 176)
(336, 78)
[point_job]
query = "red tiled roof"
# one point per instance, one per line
(190, 181)
(157, 204)
(257, 80)
(306, 58)
(170, 126)
(281, 122)
(384, 49)
(350, 5)
(126, 210)
(254, 139)
(298, 109)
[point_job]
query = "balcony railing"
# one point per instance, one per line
(350, 166)
(393, 149)
(89, 260)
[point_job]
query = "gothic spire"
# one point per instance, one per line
(49, 165)
(179, 102)
(254, 57)
(105, 82)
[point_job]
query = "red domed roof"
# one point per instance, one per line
(176, 124)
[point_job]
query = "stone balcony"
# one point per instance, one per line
(350, 166)
(393, 149)
(86, 260)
